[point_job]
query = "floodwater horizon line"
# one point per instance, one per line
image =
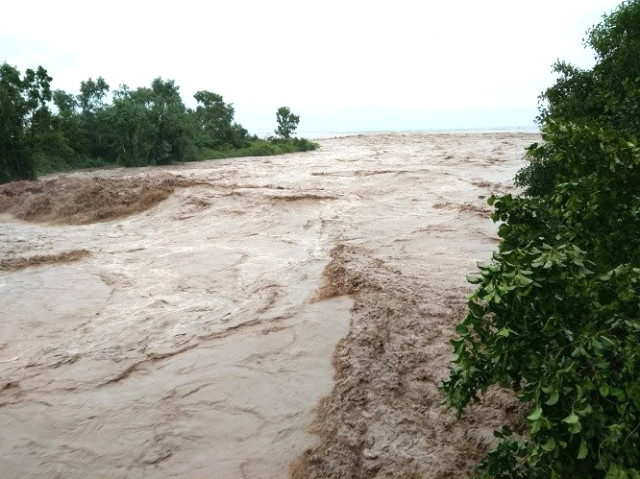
(312, 134)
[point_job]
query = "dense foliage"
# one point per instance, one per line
(607, 95)
(556, 314)
(24, 118)
(43, 131)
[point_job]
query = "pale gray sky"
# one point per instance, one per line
(346, 65)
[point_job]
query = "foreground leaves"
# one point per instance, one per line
(556, 314)
(556, 317)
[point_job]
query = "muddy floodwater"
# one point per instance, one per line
(248, 318)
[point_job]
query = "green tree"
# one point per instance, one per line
(50, 148)
(607, 95)
(150, 125)
(215, 122)
(93, 141)
(134, 135)
(92, 95)
(287, 122)
(555, 316)
(23, 104)
(66, 146)
(168, 115)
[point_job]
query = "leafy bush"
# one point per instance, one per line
(302, 144)
(556, 315)
(608, 95)
(260, 148)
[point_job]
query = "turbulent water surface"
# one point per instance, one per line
(194, 332)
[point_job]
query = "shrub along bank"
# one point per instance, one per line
(556, 314)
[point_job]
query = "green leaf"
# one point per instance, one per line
(553, 399)
(577, 352)
(523, 280)
(585, 410)
(615, 472)
(550, 445)
(583, 451)
(535, 426)
(571, 419)
(474, 279)
(462, 329)
(537, 414)
(619, 394)
(504, 333)
(575, 428)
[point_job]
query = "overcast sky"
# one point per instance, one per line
(345, 65)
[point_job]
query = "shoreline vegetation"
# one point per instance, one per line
(555, 317)
(45, 131)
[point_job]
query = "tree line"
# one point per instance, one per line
(556, 314)
(44, 130)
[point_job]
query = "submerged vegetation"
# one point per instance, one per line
(556, 314)
(42, 131)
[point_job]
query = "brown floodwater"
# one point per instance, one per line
(248, 318)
